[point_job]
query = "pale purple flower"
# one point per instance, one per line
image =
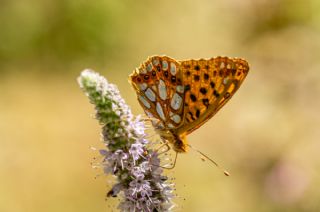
(117, 158)
(136, 151)
(141, 187)
(140, 184)
(138, 172)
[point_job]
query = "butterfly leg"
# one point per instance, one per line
(171, 167)
(174, 162)
(167, 149)
(165, 144)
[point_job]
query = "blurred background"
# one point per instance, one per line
(267, 136)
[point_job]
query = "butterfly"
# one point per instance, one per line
(180, 96)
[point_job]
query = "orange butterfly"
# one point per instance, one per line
(180, 96)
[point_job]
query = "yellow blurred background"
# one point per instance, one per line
(267, 136)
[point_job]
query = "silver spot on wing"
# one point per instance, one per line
(176, 118)
(143, 86)
(173, 68)
(150, 94)
(155, 61)
(149, 67)
(176, 101)
(162, 90)
(164, 65)
(180, 88)
(160, 111)
(144, 101)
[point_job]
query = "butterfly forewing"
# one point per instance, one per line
(158, 83)
(208, 84)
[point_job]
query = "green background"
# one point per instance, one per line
(267, 136)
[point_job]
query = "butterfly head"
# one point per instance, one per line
(180, 143)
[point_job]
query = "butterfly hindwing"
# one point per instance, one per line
(158, 83)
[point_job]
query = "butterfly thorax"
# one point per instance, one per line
(177, 141)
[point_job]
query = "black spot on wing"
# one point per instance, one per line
(198, 113)
(203, 91)
(193, 97)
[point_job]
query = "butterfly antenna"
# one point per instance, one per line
(215, 163)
